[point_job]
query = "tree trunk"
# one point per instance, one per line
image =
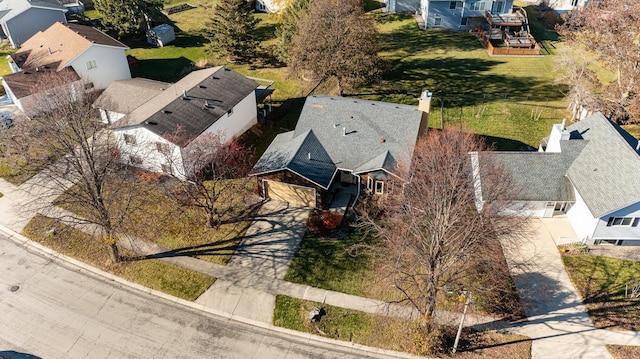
(213, 220)
(114, 253)
(340, 90)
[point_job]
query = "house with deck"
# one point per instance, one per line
(454, 15)
(588, 172)
(340, 147)
(160, 134)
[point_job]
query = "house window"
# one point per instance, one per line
(463, 22)
(230, 111)
(135, 160)
(437, 21)
(476, 6)
(452, 5)
(370, 184)
(623, 221)
(166, 168)
(129, 139)
(574, 3)
(499, 7)
(379, 187)
(91, 64)
(163, 147)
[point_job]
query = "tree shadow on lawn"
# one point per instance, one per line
(167, 70)
(454, 76)
(503, 144)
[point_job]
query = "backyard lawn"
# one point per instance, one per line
(601, 282)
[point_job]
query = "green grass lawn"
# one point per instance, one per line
(156, 217)
(390, 333)
(601, 282)
(162, 276)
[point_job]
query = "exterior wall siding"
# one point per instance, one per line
(403, 6)
(111, 64)
(581, 219)
(618, 232)
(109, 117)
(145, 149)
(28, 23)
(244, 115)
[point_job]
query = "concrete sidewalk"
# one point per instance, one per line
(557, 320)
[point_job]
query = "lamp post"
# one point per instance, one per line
(464, 313)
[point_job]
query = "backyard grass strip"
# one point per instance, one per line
(152, 273)
(602, 282)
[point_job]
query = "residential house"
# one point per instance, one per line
(337, 143)
(270, 6)
(21, 19)
(124, 96)
(160, 134)
(589, 171)
(562, 6)
(453, 15)
(84, 52)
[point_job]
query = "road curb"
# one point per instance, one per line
(308, 337)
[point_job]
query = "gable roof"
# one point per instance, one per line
(211, 93)
(58, 45)
(540, 176)
(607, 172)
(124, 96)
(29, 82)
(357, 135)
(303, 155)
(12, 8)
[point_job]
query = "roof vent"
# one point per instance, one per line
(335, 125)
(351, 117)
(309, 156)
(207, 104)
(344, 131)
(152, 123)
(215, 78)
(202, 86)
(167, 112)
(382, 140)
(184, 95)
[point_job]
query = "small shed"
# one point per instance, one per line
(161, 35)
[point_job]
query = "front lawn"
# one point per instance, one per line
(601, 281)
(152, 273)
(394, 334)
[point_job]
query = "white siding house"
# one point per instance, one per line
(158, 135)
(81, 52)
(21, 19)
(590, 172)
(449, 14)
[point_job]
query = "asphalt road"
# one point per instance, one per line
(55, 310)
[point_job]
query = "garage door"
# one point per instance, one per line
(298, 195)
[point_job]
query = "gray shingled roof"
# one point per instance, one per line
(378, 136)
(303, 155)
(541, 176)
(11, 8)
(211, 93)
(124, 96)
(372, 128)
(607, 172)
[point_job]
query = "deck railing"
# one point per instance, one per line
(513, 51)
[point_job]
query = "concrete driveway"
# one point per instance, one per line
(266, 251)
(557, 320)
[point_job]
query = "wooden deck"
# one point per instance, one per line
(519, 47)
(516, 18)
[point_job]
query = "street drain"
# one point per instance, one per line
(15, 288)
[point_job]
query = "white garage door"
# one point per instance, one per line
(294, 194)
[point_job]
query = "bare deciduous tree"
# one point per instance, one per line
(573, 66)
(611, 31)
(431, 230)
(215, 171)
(336, 38)
(89, 177)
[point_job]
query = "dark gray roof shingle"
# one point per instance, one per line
(211, 93)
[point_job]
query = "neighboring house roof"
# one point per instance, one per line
(357, 135)
(607, 172)
(540, 176)
(12, 8)
(29, 82)
(600, 160)
(58, 45)
(211, 93)
(124, 96)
